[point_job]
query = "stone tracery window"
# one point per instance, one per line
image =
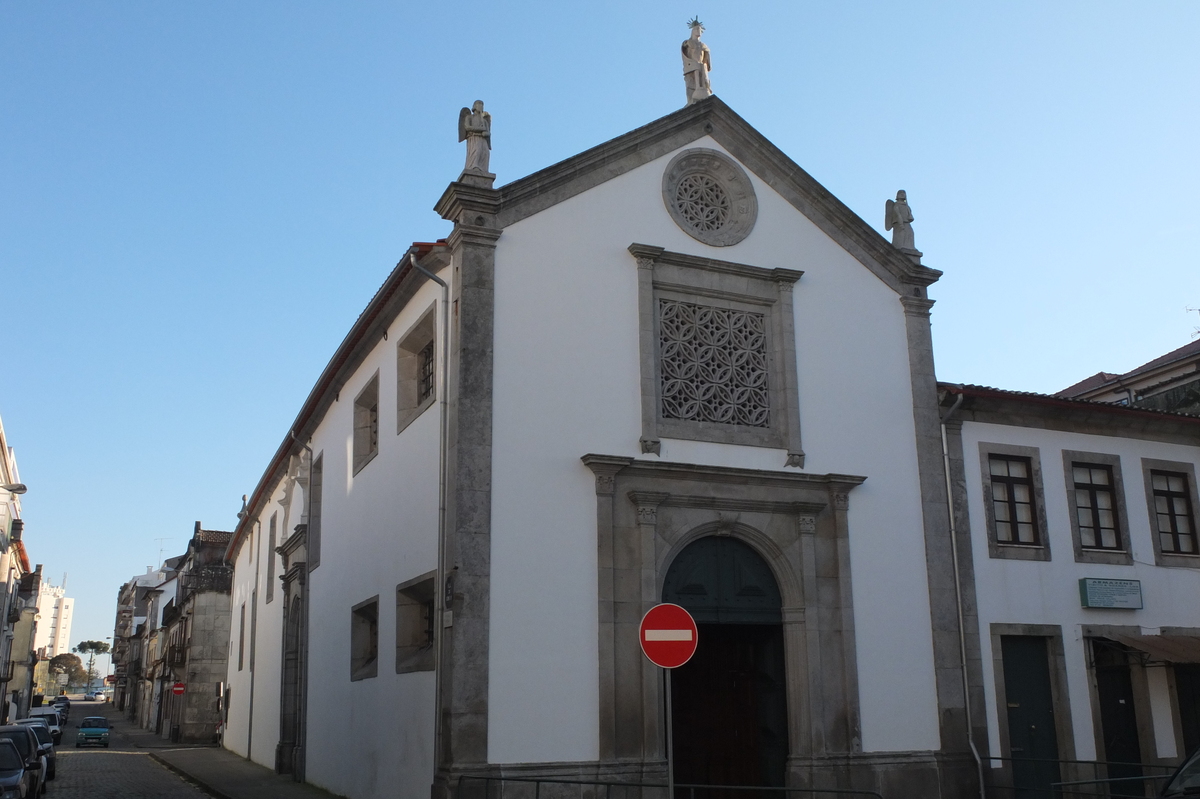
(714, 364)
(702, 202)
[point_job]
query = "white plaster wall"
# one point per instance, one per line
(378, 529)
(567, 383)
(238, 681)
(1047, 592)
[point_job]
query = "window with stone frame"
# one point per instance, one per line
(316, 480)
(1171, 501)
(1014, 502)
(364, 639)
(718, 352)
(1176, 526)
(416, 370)
(366, 424)
(271, 555)
(415, 617)
(1096, 507)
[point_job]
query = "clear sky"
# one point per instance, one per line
(198, 198)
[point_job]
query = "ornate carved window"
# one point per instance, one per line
(713, 364)
(718, 352)
(710, 197)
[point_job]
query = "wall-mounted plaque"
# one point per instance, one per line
(1123, 594)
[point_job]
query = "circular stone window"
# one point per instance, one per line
(710, 197)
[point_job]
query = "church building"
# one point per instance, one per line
(724, 397)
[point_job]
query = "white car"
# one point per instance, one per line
(53, 720)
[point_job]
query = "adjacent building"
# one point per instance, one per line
(171, 637)
(18, 593)
(55, 610)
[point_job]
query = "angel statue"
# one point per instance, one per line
(897, 217)
(475, 128)
(697, 62)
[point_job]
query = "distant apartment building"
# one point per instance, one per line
(54, 627)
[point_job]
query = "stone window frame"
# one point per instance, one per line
(707, 281)
(366, 424)
(409, 403)
(364, 639)
(415, 633)
(1086, 555)
(316, 483)
(273, 527)
(996, 549)
(1189, 469)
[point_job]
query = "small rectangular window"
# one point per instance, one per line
(415, 624)
(1012, 500)
(315, 480)
(1096, 506)
(1173, 511)
(425, 380)
(364, 639)
(416, 371)
(242, 637)
(366, 424)
(271, 554)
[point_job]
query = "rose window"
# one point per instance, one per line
(703, 202)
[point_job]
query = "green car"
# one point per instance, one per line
(92, 730)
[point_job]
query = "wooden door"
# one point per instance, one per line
(1032, 739)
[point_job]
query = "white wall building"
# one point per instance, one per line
(670, 368)
(56, 610)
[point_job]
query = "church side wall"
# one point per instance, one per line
(567, 383)
(237, 731)
(378, 530)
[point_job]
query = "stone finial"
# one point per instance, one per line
(898, 218)
(697, 63)
(475, 128)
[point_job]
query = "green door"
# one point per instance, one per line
(1031, 735)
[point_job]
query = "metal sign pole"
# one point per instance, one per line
(670, 738)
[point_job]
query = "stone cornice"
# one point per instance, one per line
(657, 255)
(719, 474)
(468, 204)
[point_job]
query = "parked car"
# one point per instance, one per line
(23, 737)
(42, 731)
(53, 720)
(92, 730)
(1186, 779)
(14, 779)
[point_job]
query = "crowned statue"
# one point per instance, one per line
(475, 128)
(697, 62)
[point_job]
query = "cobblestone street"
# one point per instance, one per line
(117, 773)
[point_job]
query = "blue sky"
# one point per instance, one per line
(197, 199)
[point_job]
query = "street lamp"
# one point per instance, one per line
(14, 488)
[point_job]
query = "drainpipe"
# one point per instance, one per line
(439, 600)
(958, 597)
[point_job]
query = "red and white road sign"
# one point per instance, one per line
(668, 634)
(177, 689)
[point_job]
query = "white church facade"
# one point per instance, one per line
(674, 368)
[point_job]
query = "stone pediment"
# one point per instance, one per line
(711, 117)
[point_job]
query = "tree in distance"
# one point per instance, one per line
(91, 649)
(70, 665)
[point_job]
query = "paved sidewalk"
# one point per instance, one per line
(215, 770)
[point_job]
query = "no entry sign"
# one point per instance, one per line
(668, 635)
(177, 689)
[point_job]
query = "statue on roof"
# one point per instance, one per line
(898, 217)
(475, 128)
(697, 62)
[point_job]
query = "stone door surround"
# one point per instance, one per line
(649, 511)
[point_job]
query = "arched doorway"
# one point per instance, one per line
(730, 699)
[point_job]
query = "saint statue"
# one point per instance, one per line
(897, 217)
(475, 128)
(697, 62)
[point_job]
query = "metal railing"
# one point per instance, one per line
(603, 789)
(1076, 778)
